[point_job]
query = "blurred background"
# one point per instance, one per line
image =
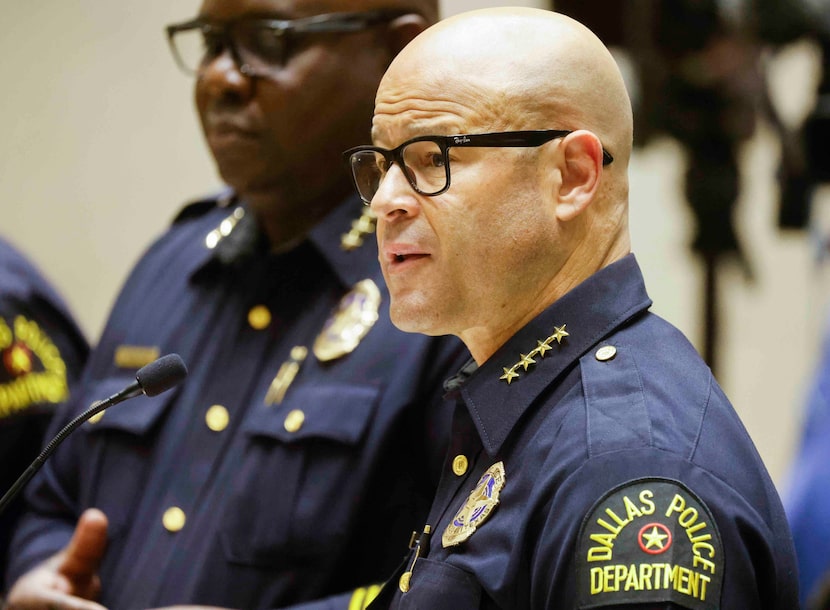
(101, 146)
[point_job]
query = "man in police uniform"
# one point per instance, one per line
(594, 462)
(291, 463)
(42, 351)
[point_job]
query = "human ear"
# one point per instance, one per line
(581, 171)
(402, 30)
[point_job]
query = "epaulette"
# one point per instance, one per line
(203, 206)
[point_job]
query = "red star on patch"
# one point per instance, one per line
(18, 359)
(654, 538)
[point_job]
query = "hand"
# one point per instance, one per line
(69, 579)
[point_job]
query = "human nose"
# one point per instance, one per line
(395, 197)
(221, 75)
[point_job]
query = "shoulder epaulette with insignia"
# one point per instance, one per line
(199, 207)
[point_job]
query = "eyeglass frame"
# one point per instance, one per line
(507, 139)
(333, 23)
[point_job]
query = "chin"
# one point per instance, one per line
(414, 319)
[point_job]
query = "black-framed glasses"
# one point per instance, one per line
(425, 160)
(259, 46)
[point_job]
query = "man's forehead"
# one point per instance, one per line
(408, 107)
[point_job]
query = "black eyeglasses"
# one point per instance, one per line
(425, 160)
(259, 47)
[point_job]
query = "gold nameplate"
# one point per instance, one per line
(354, 316)
(481, 502)
(135, 356)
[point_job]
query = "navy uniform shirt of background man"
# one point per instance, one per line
(289, 465)
(42, 352)
(594, 461)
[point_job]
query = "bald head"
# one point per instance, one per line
(521, 68)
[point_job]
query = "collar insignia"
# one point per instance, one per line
(363, 226)
(480, 503)
(224, 229)
(541, 349)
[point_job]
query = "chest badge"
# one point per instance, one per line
(480, 503)
(354, 316)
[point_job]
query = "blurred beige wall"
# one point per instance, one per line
(100, 146)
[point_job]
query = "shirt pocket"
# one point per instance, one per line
(437, 585)
(298, 488)
(118, 447)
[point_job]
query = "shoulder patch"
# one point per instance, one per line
(31, 369)
(650, 541)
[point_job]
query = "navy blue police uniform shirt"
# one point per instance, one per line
(292, 463)
(596, 463)
(42, 352)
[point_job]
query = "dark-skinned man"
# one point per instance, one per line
(297, 451)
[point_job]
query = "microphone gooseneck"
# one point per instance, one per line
(151, 380)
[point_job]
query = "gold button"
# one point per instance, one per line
(606, 352)
(217, 418)
(459, 465)
(96, 418)
(259, 317)
(294, 420)
(173, 519)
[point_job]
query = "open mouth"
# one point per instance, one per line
(399, 258)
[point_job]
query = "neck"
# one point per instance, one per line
(287, 217)
(484, 340)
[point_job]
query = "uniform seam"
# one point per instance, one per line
(703, 411)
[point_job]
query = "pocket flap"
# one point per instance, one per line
(136, 415)
(339, 413)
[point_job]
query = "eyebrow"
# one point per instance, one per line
(417, 129)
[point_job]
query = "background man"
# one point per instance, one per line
(290, 464)
(594, 461)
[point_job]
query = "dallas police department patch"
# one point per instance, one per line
(480, 503)
(31, 369)
(646, 541)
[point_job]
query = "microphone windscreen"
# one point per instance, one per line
(161, 375)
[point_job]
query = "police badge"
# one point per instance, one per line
(480, 503)
(353, 318)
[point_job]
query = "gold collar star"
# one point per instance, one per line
(509, 375)
(541, 349)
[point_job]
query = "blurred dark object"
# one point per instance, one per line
(820, 599)
(699, 71)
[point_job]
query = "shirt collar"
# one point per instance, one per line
(246, 240)
(589, 312)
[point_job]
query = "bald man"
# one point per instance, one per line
(290, 465)
(594, 461)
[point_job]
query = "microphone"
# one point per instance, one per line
(150, 380)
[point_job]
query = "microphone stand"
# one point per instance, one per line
(97, 407)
